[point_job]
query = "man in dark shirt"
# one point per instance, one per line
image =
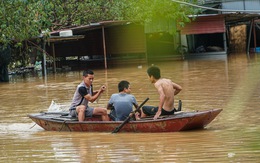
(84, 94)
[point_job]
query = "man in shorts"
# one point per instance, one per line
(166, 89)
(84, 94)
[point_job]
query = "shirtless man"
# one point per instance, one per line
(166, 89)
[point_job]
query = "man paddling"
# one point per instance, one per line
(166, 89)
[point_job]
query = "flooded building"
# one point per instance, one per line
(108, 43)
(241, 21)
(222, 27)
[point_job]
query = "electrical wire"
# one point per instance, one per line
(215, 9)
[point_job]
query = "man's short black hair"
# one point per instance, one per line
(123, 84)
(154, 71)
(86, 72)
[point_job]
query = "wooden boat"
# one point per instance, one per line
(181, 121)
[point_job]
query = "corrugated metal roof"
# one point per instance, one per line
(241, 5)
(92, 26)
(204, 25)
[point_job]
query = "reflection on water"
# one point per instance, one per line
(231, 83)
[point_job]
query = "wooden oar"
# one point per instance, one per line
(128, 118)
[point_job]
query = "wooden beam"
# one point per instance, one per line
(104, 46)
(54, 57)
(63, 38)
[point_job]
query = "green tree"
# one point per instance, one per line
(22, 20)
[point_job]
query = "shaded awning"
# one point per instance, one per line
(205, 25)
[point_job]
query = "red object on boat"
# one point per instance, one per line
(181, 121)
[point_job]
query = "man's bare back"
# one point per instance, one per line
(166, 88)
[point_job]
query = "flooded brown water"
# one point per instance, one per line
(230, 83)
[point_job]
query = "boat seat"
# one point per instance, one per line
(70, 118)
(66, 118)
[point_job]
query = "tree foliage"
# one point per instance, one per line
(160, 13)
(21, 20)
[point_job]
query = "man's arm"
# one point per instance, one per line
(95, 96)
(177, 88)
